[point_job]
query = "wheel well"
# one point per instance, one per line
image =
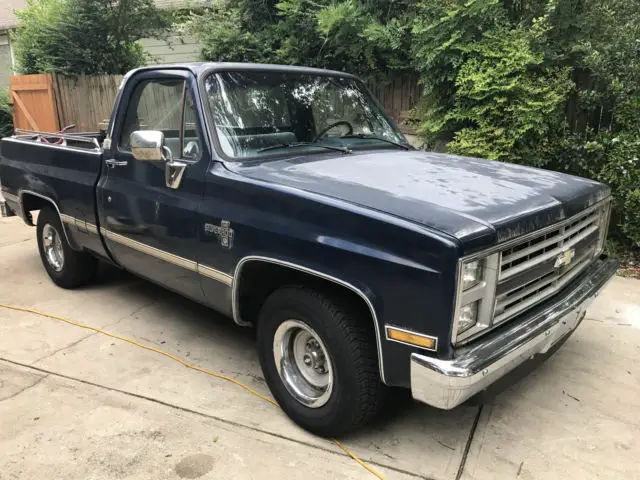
(31, 203)
(259, 279)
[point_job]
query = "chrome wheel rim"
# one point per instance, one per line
(52, 244)
(303, 363)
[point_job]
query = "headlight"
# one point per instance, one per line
(605, 215)
(476, 294)
(471, 274)
(468, 316)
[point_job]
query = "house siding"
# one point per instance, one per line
(174, 49)
(6, 69)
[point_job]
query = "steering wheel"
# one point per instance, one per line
(333, 125)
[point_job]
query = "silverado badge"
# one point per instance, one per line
(565, 258)
(224, 232)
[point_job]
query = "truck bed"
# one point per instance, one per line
(35, 173)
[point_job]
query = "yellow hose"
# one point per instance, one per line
(186, 364)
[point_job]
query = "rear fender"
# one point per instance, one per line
(30, 201)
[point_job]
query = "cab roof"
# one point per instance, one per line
(198, 68)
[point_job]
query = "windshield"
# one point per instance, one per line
(256, 113)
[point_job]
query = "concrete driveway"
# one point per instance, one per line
(78, 405)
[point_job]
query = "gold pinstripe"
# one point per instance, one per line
(152, 251)
(215, 274)
(185, 263)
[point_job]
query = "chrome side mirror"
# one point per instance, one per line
(148, 146)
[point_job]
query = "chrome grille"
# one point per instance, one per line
(534, 269)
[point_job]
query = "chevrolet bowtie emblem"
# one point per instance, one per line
(565, 258)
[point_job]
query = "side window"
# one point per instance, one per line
(192, 140)
(156, 105)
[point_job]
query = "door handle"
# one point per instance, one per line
(113, 163)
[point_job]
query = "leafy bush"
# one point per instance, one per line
(351, 35)
(91, 37)
(6, 114)
(615, 160)
(224, 38)
(549, 83)
(552, 83)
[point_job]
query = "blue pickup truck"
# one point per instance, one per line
(285, 198)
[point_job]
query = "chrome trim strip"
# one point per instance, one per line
(429, 337)
(27, 218)
(448, 383)
(605, 229)
(91, 228)
(149, 250)
(80, 225)
(258, 258)
(92, 151)
(190, 265)
(67, 219)
(457, 302)
(215, 275)
(28, 134)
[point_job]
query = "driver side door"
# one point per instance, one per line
(148, 219)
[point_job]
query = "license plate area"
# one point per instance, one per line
(565, 327)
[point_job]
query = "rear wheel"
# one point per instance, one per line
(68, 268)
(319, 358)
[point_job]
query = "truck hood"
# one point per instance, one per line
(477, 201)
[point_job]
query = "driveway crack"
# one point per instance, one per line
(467, 447)
(15, 243)
(25, 388)
(66, 347)
(214, 417)
(73, 344)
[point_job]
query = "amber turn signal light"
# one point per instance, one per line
(411, 338)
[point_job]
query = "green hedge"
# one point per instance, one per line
(548, 83)
(554, 84)
(6, 114)
(92, 37)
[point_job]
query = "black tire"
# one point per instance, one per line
(358, 393)
(77, 268)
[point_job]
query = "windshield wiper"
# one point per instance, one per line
(375, 137)
(304, 144)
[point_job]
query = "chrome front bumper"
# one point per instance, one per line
(448, 383)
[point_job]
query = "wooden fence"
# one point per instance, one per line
(85, 101)
(50, 102)
(33, 100)
(398, 96)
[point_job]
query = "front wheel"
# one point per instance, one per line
(68, 268)
(319, 359)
